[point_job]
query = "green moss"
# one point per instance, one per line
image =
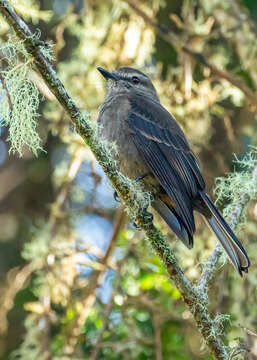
(221, 321)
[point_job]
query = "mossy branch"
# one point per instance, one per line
(126, 188)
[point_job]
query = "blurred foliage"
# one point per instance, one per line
(62, 297)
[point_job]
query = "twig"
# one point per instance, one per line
(54, 217)
(63, 193)
(108, 311)
(248, 331)
(44, 334)
(7, 91)
(237, 351)
(170, 37)
(157, 336)
(209, 269)
(14, 284)
(95, 281)
(109, 306)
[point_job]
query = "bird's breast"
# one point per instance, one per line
(113, 127)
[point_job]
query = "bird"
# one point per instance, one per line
(153, 149)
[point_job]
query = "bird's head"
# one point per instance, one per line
(128, 80)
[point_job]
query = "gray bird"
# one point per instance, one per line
(152, 147)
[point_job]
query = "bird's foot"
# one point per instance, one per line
(116, 196)
(141, 177)
(147, 216)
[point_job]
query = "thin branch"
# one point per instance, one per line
(14, 283)
(54, 218)
(7, 91)
(237, 351)
(108, 309)
(95, 282)
(57, 207)
(157, 336)
(170, 37)
(16, 280)
(210, 269)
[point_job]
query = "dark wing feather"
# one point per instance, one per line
(167, 153)
(159, 125)
(167, 177)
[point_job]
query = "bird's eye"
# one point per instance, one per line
(135, 80)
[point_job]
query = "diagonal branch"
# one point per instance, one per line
(109, 306)
(173, 39)
(94, 282)
(6, 90)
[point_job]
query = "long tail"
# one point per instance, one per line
(227, 238)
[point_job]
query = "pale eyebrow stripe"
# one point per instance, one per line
(129, 75)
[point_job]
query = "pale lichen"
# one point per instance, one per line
(20, 98)
(243, 180)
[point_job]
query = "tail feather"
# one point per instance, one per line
(226, 236)
(173, 222)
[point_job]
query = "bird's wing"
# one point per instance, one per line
(168, 155)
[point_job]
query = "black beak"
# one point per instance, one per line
(107, 74)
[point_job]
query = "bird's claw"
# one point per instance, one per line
(148, 216)
(116, 196)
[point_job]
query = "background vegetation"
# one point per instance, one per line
(78, 281)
